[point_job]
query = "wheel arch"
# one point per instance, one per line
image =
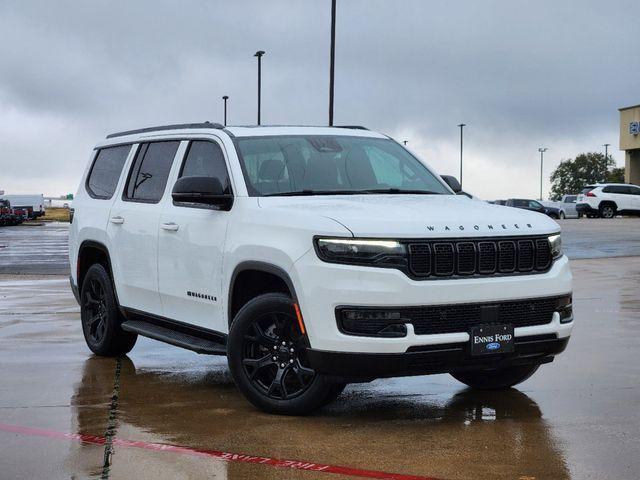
(607, 202)
(249, 271)
(91, 252)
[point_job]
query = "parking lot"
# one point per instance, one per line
(163, 412)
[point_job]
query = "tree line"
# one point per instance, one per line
(572, 175)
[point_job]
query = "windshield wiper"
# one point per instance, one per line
(300, 193)
(399, 191)
(307, 192)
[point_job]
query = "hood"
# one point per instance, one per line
(417, 216)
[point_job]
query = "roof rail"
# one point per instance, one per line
(178, 126)
(354, 127)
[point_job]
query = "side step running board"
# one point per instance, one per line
(191, 342)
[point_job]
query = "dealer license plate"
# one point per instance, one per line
(491, 339)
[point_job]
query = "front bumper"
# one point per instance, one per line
(532, 350)
(322, 287)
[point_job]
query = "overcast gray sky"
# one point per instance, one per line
(521, 74)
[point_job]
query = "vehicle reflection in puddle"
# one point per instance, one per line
(464, 434)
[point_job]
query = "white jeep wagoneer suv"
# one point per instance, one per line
(312, 257)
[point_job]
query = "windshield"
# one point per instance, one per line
(324, 165)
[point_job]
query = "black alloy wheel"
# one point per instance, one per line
(95, 305)
(496, 379)
(267, 355)
(101, 317)
(607, 211)
(274, 356)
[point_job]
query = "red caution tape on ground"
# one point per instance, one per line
(217, 454)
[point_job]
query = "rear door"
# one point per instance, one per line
(569, 205)
(621, 195)
(634, 197)
(133, 226)
(191, 242)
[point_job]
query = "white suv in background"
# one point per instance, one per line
(312, 257)
(607, 200)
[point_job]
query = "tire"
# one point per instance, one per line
(266, 328)
(561, 216)
(101, 317)
(496, 379)
(607, 210)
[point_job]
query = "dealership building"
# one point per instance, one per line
(630, 143)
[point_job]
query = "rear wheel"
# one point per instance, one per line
(101, 318)
(607, 210)
(561, 216)
(496, 379)
(267, 358)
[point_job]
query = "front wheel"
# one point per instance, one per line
(561, 216)
(267, 357)
(101, 318)
(496, 379)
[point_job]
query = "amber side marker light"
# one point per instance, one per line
(299, 317)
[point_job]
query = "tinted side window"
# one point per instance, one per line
(105, 172)
(205, 159)
(615, 189)
(150, 170)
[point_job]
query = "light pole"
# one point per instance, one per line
(606, 150)
(462, 125)
(332, 60)
(225, 98)
(259, 54)
(541, 150)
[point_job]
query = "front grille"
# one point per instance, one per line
(484, 257)
(434, 319)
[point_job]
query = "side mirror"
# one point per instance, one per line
(453, 183)
(201, 191)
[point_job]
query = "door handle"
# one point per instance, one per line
(117, 220)
(170, 227)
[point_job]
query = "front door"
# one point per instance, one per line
(133, 227)
(191, 242)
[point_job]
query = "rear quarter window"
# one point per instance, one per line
(106, 170)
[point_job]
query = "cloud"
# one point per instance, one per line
(520, 74)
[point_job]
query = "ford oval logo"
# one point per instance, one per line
(493, 346)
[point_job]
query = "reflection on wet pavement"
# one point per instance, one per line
(576, 418)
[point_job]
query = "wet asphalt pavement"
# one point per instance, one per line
(575, 418)
(35, 249)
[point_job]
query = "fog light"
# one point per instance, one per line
(372, 323)
(370, 315)
(565, 309)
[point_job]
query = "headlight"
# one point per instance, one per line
(556, 245)
(361, 251)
